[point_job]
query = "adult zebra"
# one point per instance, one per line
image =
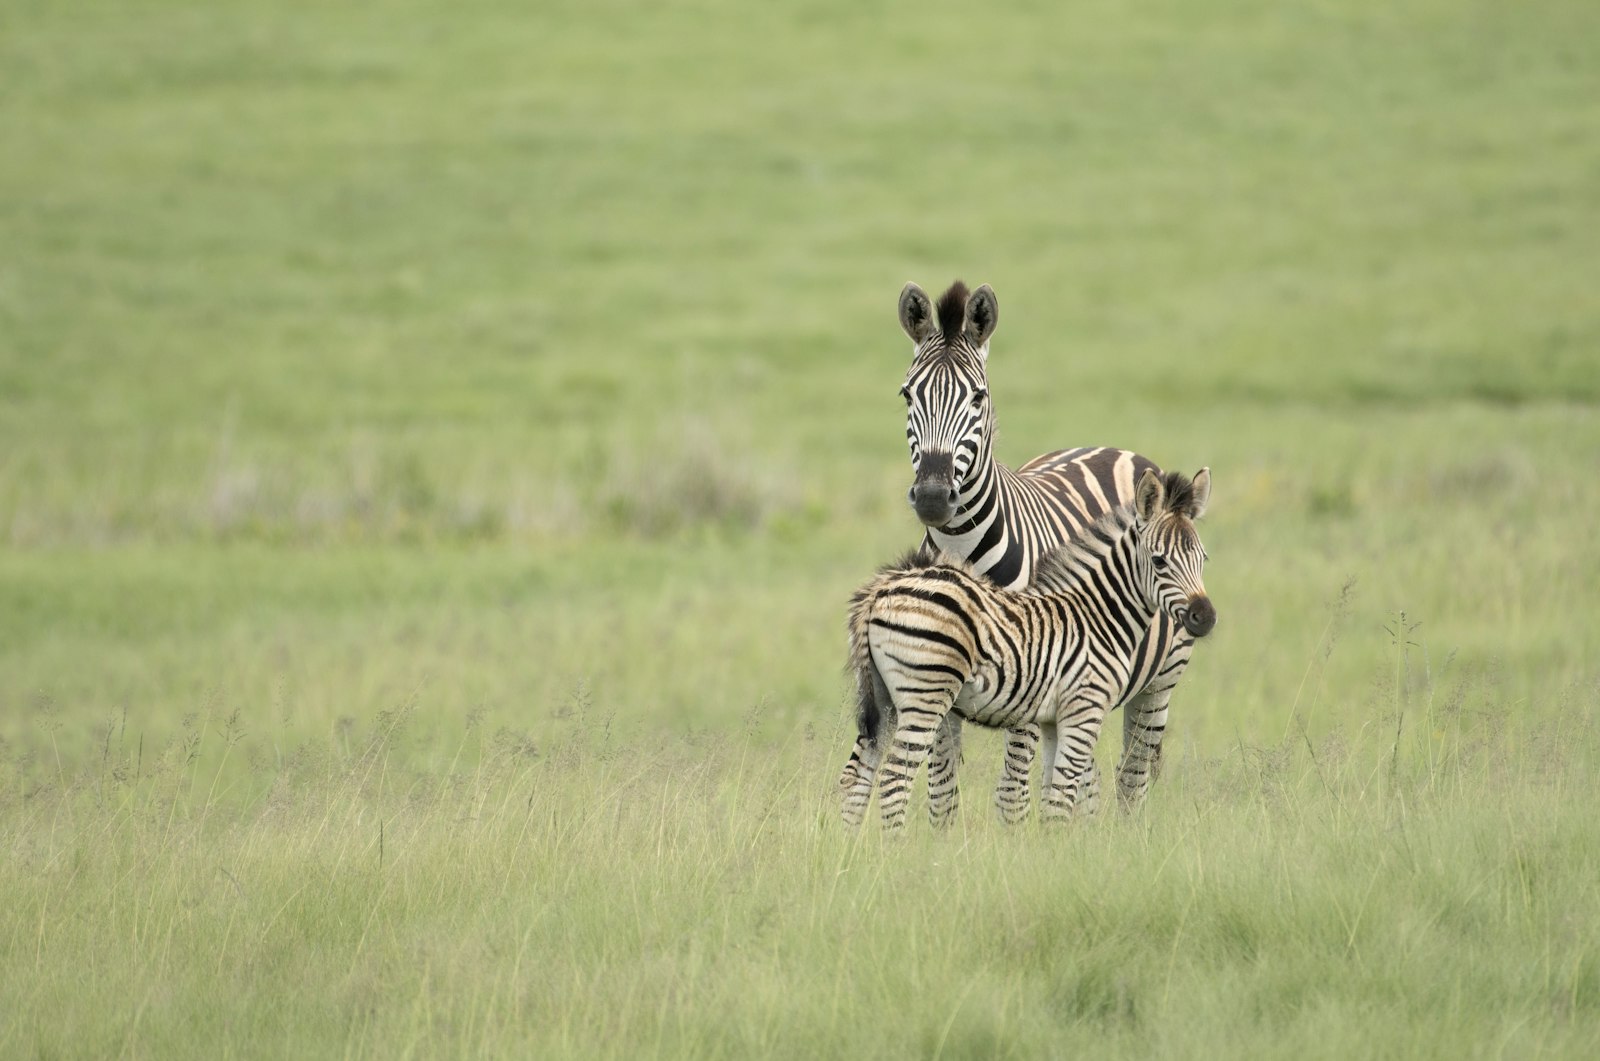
(1003, 522)
(931, 639)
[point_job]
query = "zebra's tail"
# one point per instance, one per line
(875, 712)
(859, 665)
(874, 708)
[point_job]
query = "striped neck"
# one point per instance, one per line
(1100, 565)
(981, 530)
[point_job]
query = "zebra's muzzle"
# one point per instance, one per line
(1199, 617)
(934, 493)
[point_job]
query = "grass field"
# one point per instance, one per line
(437, 444)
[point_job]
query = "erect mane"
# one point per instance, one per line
(952, 311)
(1180, 492)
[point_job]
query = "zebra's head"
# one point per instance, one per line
(949, 423)
(1170, 557)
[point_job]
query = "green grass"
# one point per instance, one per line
(436, 447)
(1342, 900)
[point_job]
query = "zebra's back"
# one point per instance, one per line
(1039, 507)
(1085, 483)
(940, 630)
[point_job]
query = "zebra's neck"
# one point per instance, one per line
(983, 529)
(1099, 566)
(1003, 525)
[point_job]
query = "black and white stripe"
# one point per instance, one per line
(933, 638)
(1003, 521)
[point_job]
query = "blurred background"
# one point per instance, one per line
(523, 364)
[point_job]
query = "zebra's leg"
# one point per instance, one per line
(913, 739)
(1090, 789)
(944, 795)
(1145, 725)
(1088, 802)
(1011, 795)
(1142, 729)
(1073, 778)
(855, 782)
(875, 719)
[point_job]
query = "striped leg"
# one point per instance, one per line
(913, 739)
(1088, 802)
(1073, 778)
(1145, 725)
(1011, 795)
(855, 782)
(1042, 737)
(944, 795)
(875, 710)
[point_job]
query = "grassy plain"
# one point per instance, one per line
(436, 446)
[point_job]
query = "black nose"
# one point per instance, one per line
(935, 502)
(933, 494)
(1200, 617)
(930, 494)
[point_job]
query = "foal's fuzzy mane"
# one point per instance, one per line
(1180, 492)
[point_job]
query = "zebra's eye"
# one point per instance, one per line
(979, 396)
(905, 392)
(1159, 560)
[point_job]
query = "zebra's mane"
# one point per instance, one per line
(952, 311)
(1179, 492)
(1063, 567)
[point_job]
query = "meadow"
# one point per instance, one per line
(437, 445)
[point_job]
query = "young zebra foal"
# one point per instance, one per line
(930, 637)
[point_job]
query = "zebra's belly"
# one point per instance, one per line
(988, 701)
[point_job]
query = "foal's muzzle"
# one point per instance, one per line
(1199, 617)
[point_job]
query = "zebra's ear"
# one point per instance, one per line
(1149, 496)
(916, 314)
(983, 313)
(1202, 493)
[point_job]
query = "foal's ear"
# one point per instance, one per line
(983, 313)
(1149, 495)
(1202, 493)
(916, 313)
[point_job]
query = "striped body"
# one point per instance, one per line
(1007, 520)
(1003, 522)
(932, 639)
